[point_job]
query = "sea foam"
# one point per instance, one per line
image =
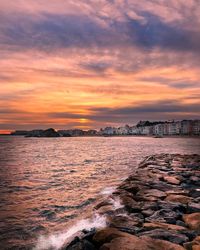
(57, 240)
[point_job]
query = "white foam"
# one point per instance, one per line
(56, 241)
(108, 190)
(117, 203)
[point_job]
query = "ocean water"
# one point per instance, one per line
(48, 185)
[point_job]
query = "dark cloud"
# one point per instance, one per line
(179, 84)
(65, 31)
(156, 33)
(113, 114)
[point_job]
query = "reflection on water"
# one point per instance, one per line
(45, 183)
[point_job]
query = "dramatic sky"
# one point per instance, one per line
(93, 63)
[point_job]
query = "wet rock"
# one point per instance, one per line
(130, 204)
(107, 234)
(164, 215)
(130, 187)
(126, 223)
(148, 212)
(195, 193)
(192, 220)
(81, 245)
(171, 180)
(103, 203)
(164, 234)
(193, 207)
(194, 245)
(163, 226)
(136, 243)
(152, 193)
(178, 198)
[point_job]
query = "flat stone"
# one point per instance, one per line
(178, 198)
(123, 221)
(142, 243)
(130, 204)
(103, 203)
(107, 234)
(163, 216)
(82, 244)
(152, 192)
(163, 234)
(171, 180)
(193, 207)
(164, 226)
(192, 220)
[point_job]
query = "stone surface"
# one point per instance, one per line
(192, 220)
(164, 234)
(108, 234)
(178, 198)
(164, 226)
(159, 208)
(171, 180)
(136, 243)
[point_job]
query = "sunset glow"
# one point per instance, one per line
(88, 64)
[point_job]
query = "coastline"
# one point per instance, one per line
(157, 206)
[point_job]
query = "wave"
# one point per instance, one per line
(57, 240)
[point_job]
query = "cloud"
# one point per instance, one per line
(105, 61)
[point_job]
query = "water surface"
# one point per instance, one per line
(47, 182)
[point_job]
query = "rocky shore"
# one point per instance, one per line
(156, 208)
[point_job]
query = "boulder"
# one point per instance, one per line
(192, 220)
(163, 215)
(163, 234)
(193, 207)
(107, 234)
(81, 245)
(171, 179)
(152, 192)
(178, 198)
(125, 222)
(164, 226)
(130, 204)
(136, 243)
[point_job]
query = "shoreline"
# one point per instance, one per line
(157, 206)
(145, 136)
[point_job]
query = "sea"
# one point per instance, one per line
(48, 186)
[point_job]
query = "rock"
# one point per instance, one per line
(164, 226)
(171, 180)
(136, 243)
(130, 204)
(103, 203)
(192, 220)
(106, 210)
(196, 247)
(152, 192)
(130, 187)
(193, 207)
(178, 198)
(195, 193)
(163, 215)
(81, 245)
(195, 244)
(125, 223)
(163, 234)
(108, 234)
(148, 212)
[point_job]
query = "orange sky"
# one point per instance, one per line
(79, 64)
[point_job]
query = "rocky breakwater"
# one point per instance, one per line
(159, 208)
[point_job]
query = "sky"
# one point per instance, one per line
(90, 64)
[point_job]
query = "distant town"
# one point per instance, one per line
(142, 128)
